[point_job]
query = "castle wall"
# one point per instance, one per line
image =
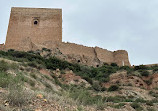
(38, 25)
(94, 56)
(121, 58)
(2, 47)
(72, 48)
(36, 28)
(78, 53)
(104, 55)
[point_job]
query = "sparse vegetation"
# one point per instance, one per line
(18, 96)
(20, 78)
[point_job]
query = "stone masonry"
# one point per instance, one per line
(37, 24)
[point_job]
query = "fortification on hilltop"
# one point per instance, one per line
(37, 24)
(37, 28)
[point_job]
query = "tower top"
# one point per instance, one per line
(37, 25)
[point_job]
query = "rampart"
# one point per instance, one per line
(94, 55)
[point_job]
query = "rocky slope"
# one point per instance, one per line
(31, 82)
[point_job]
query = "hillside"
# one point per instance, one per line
(36, 81)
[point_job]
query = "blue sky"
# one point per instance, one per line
(131, 25)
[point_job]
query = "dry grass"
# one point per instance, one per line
(18, 96)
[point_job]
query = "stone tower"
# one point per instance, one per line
(38, 25)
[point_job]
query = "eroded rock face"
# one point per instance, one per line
(70, 78)
(122, 78)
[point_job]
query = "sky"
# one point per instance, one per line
(130, 25)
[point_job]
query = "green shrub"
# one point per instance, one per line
(113, 88)
(148, 82)
(114, 64)
(140, 100)
(4, 66)
(24, 79)
(84, 96)
(96, 86)
(155, 69)
(115, 99)
(154, 100)
(151, 109)
(149, 103)
(127, 68)
(5, 79)
(33, 75)
(141, 67)
(32, 83)
(144, 73)
(56, 80)
(89, 80)
(154, 94)
(136, 106)
(45, 49)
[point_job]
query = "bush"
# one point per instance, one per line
(148, 82)
(4, 66)
(83, 96)
(115, 99)
(45, 49)
(33, 75)
(151, 109)
(32, 83)
(127, 68)
(140, 100)
(149, 103)
(144, 73)
(113, 88)
(96, 86)
(18, 96)
(89, 80)
(136, 106)
(141, 67)
(154, 94)
(5, 79)
(114, 64)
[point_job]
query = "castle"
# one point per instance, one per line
(37, 28)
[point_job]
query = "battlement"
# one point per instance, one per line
(32, 10)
